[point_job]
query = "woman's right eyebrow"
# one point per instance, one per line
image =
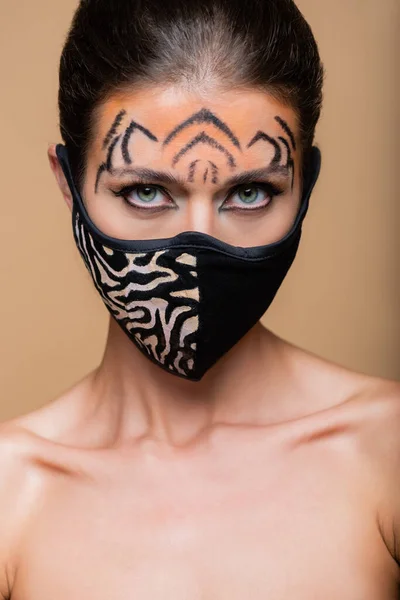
(145, 174)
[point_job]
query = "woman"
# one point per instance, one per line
(205, 457)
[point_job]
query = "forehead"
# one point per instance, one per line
(165, 111)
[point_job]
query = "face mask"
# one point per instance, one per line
(185, 301)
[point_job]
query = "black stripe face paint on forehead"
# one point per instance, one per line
(289, 162)
(261, 135)
(214, 172)
(203, 138)
(192, 169)
(287, 130)
(114, 128)
(203, 116)
(111, 151)
(112, 142)
(128, 133)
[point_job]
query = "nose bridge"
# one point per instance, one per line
(201, 211)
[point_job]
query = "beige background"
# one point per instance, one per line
(341, 299)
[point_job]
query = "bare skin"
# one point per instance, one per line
(276, 476)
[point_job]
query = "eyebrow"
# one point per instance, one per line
(145, 175)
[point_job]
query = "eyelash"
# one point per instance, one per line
(271, 190)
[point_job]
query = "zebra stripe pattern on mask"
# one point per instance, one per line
(154, 296)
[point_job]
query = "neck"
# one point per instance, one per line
(141, 400)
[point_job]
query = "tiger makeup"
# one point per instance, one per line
(160, 165)
(112, 139)
(162, 198)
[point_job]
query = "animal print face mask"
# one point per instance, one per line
(185, 301)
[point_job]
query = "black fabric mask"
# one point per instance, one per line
(185, 301)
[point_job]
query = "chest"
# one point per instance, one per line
(223, 533)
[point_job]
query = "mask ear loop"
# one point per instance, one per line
(78, 204)
(310, 177)
(62, 155)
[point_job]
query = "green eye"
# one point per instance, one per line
(146, 194)
(252, 197)
(146, 197)
(248, 195)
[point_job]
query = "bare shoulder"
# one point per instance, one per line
(366, 410)
(19, 490)
(377, 412)
(367, 407)
(373, 409)
(33, 449)
(379, 401)
(371, 401)
(369, 404)
(69, 419)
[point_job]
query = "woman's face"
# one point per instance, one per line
(163, 161)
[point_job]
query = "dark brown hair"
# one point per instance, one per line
(113, 44)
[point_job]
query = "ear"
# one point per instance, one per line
(59, 175)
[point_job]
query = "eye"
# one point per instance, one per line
(251, 197)
(147, 194)
(146, 197)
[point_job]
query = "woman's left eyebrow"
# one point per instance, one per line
(151, 175)
(249, 176)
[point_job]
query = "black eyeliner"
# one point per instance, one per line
(272, 190)
(265, 185)
(127, 189)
